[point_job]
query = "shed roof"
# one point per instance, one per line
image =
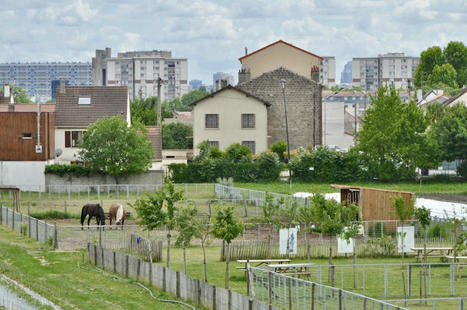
(370, 188)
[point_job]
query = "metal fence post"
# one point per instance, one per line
(270, 289)
(289, 284)
(55, 236)
(340, 299)
(313, 285)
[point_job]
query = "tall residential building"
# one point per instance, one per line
(327, 73)
(346, 74)
(219, 76)
(36, 77)
(195, 84)
(140, 70)
(393, 68)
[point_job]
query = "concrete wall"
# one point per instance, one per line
(22, 173)
(149, 177)
(281, 55)
(230, 104)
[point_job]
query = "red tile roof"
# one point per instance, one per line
(277, 42)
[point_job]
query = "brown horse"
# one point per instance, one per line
(117, 213)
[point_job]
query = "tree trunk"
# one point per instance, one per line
(204, 263)
(168, 249)
(184, 260)
(227, 260)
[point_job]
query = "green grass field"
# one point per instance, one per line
(62, 278)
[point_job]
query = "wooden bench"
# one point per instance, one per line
(259, 262)
(432, 252)
(292, 269)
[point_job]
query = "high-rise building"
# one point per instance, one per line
(346, 75)
(327, 73)
(389, 69)
(219, 76)
(36, 77)
(140, 71)
(195, 84)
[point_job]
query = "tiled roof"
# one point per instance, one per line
(154, 135)
(454, 98)
(105, 101)
(283, 42)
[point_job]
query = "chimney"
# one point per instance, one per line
(244, 74)
(246, 51)
(62, 87)
(315, 73)
(419, 95)
(223, 83)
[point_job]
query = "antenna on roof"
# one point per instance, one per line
(246, 50)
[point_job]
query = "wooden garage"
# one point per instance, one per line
(375, 204)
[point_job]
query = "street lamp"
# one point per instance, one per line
(286, 130)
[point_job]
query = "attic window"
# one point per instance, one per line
(84, 100)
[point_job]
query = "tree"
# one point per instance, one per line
(428, 60)
(19, 94)
(188, 227)
(227, 228)
(449, 133)
(455, 54)
(279, 147)
(392, 137)
(159, 209)
(144, 110)
(237, 152)
(404, 212)
(444, 74)
(111, 147)
(177, 136)
(423, 216)
(184, 103)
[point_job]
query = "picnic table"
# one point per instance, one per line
(456, 259)
(259, 262)
(292, 269)
(433, 252)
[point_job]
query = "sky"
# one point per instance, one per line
(212, 35)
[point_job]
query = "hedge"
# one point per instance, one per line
(210, 170)
(73, 170)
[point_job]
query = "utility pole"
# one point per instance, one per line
(286, 130)
(159, 107)
(355, 123)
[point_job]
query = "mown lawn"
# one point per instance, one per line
(62, 278)
(424, 187)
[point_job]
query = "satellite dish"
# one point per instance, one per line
(58, 152)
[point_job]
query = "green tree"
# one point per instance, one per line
(188, 226)
(236, 152)
(19, 94)
(111, 147)
(177, 136)
(449, 133)
(144, 110)
(227, 228)
(184, 103)
(159, 209)
(404, 212)
(392, 137)
(444, 74)
(423, 216)
(279, 147)
(428, 60)
(455, 54)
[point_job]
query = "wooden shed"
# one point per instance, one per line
(375, 204)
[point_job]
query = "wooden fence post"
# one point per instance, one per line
(198, 290)
(126, 265)
(37, 229)
(29, 226)
(55, 236)
(177, 284)
(313, 285)
(340, 299)
(164, 286)
(289, 284)
(270, 290)
(114, 254)
(214, 305)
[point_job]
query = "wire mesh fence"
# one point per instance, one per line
(286, 292)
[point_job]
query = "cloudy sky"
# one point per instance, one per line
(213, 34)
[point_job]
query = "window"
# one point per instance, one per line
(26, 136)
(84, 100)
(72, 138)
(248, 121)
(214, 144)
(251, 145)
(212, 120)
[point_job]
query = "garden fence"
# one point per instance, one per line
(174, 282)
(286, 292)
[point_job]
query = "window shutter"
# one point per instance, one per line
(67, 139)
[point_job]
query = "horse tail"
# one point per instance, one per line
(83, 213)
(119, 216)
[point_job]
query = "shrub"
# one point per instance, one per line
(279, 147)
(384, 246)
(72, 170)
(462, 169)
(440, 230)
(377, 229)
(236, 152)
(53, 214)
